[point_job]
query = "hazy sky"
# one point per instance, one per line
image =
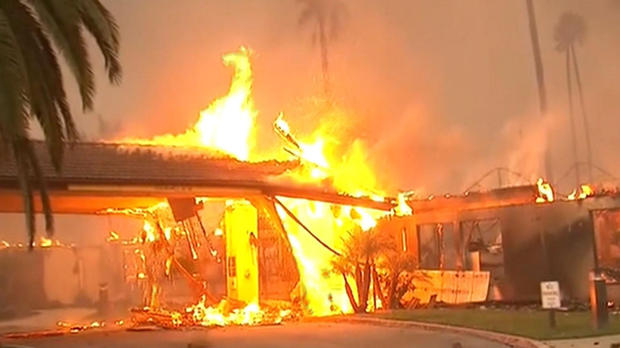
(440, 90)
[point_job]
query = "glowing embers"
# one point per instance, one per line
(545, 191)
(43, 243)
(584, 192)
(201, 314)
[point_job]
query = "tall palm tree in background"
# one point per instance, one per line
(32, 35)
(571, 30)
(325, 17)
(540, 77)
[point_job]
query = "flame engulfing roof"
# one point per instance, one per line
(149, 171)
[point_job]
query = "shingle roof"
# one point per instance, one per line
(107, 162)
(123, 164)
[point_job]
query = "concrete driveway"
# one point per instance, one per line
(294, 335)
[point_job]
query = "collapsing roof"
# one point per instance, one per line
(97, 176)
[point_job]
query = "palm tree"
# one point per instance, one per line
(540, 76)
(571, 30)
(358, 259)
(395, 262)
(32, 32)
(326, 18)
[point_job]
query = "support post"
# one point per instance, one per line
(552, 322)
(598, 287)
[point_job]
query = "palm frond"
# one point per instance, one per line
(570, 29)
(13, 103)
(306, 14)
(14, 108)
(100, 23)
(40, 75)
(62, 19)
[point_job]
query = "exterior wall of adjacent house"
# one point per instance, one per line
(519, 244)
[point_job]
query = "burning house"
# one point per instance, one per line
(226, 236)
(221, 226)
(519, 235)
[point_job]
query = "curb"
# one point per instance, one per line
(509, 340)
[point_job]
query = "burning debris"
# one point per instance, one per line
(42, 243)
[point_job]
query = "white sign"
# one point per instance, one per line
(550, 294)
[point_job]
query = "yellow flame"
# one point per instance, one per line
(586, 191)
(323, 290)
(252, 314)
(168, 233)
(151, 234)
(348, 171)
(403, 208)
(113, 236)
(45, 242)
(545, 191)
(168, 265)
(228, 124)
(572, 196)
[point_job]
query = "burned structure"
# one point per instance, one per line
(213, 227)
(518, 240)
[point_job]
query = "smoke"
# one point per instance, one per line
(439, 92)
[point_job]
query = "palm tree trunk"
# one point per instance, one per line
(358, 277)
(364, 291)
(392, 291)
(324, 56)
(586, 127)
(377, 287)
(350, 295)
(540, 78)
(572, 116)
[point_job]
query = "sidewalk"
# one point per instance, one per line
(46, 319)
(601, 341)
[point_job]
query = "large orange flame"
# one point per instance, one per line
(228, 124)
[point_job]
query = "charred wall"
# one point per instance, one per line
(520, 245)
(545, 242)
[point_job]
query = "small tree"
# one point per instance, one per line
(395, 263)
(361, 250)
(364, 252)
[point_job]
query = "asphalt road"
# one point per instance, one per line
(297, 335)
